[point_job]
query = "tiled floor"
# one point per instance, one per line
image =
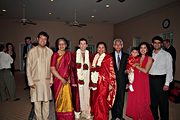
(19, 110)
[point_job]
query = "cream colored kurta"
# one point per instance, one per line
(38, 73)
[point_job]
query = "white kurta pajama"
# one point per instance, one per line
(38, 73)
(84, 91)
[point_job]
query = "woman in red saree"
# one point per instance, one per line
(60, 68)
(138, 104)
(103, 83)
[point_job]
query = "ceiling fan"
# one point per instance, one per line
(75, 22)
(24, 20)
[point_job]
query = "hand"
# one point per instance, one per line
(136, 64)
(63, 81)
(166, 88)
(74, 85)
(127, 86)
(127, 71)
(33, 86)
(50, 84)
(110, 87)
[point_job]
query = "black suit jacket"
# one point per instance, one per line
(172, 51)
(121, 76)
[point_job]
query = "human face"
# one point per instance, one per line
(10, 47)
(166, 44)
(101, 49)
(157, 44)
(83, 45)
(42, 40)
(28, 41)
(62, 45)
(143, 49)
(134, 53)
(118, 46)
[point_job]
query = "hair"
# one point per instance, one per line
(167, 40)
(27, 38)
(63, 39)
(119, 40)
(149, 52)
(1, 47)
(44, 34)
(83, 39)
(7, 44)
(103, 44)
(134, 48)
(157, 38)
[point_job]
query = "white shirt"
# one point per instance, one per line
(116, 55)
(162, 65)
(5, 60)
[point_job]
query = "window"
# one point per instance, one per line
(136, 41)
(91, 48)
(168, 35)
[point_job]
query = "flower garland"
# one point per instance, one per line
(95, 71)
(82, 66)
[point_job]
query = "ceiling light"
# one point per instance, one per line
(52, 0)
(121, 0)
(107, 5)
(50, 13)
(3, 10)
(92, 16)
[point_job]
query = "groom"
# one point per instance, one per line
(80, 80)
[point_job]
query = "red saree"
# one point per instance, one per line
(62, 93)
(138, 104)
(104, 98)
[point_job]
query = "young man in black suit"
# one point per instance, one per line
(120, 61)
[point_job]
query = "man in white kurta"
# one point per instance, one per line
(83, 76)
(40, 77)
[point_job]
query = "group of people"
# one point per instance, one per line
(86, 86)
(7, 81)
(152, 75)
(74, 76)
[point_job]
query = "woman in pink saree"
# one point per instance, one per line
(60, 68)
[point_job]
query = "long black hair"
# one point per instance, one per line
(149, 51)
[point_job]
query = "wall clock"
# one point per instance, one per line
(166, 23)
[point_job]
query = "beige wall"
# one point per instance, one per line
(150, 24)
(12, 31)
(145, 26)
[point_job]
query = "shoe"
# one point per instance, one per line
(88, 117)
(117, 119)
(16, 99)
(77, 115)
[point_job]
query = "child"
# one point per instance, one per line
(131, 61)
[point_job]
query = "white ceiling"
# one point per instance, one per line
(63, 10)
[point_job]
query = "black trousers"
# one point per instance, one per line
(117, 109)
(159, 98)
(25, 76)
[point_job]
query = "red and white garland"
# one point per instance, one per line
(82, 67)
(94, 74)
